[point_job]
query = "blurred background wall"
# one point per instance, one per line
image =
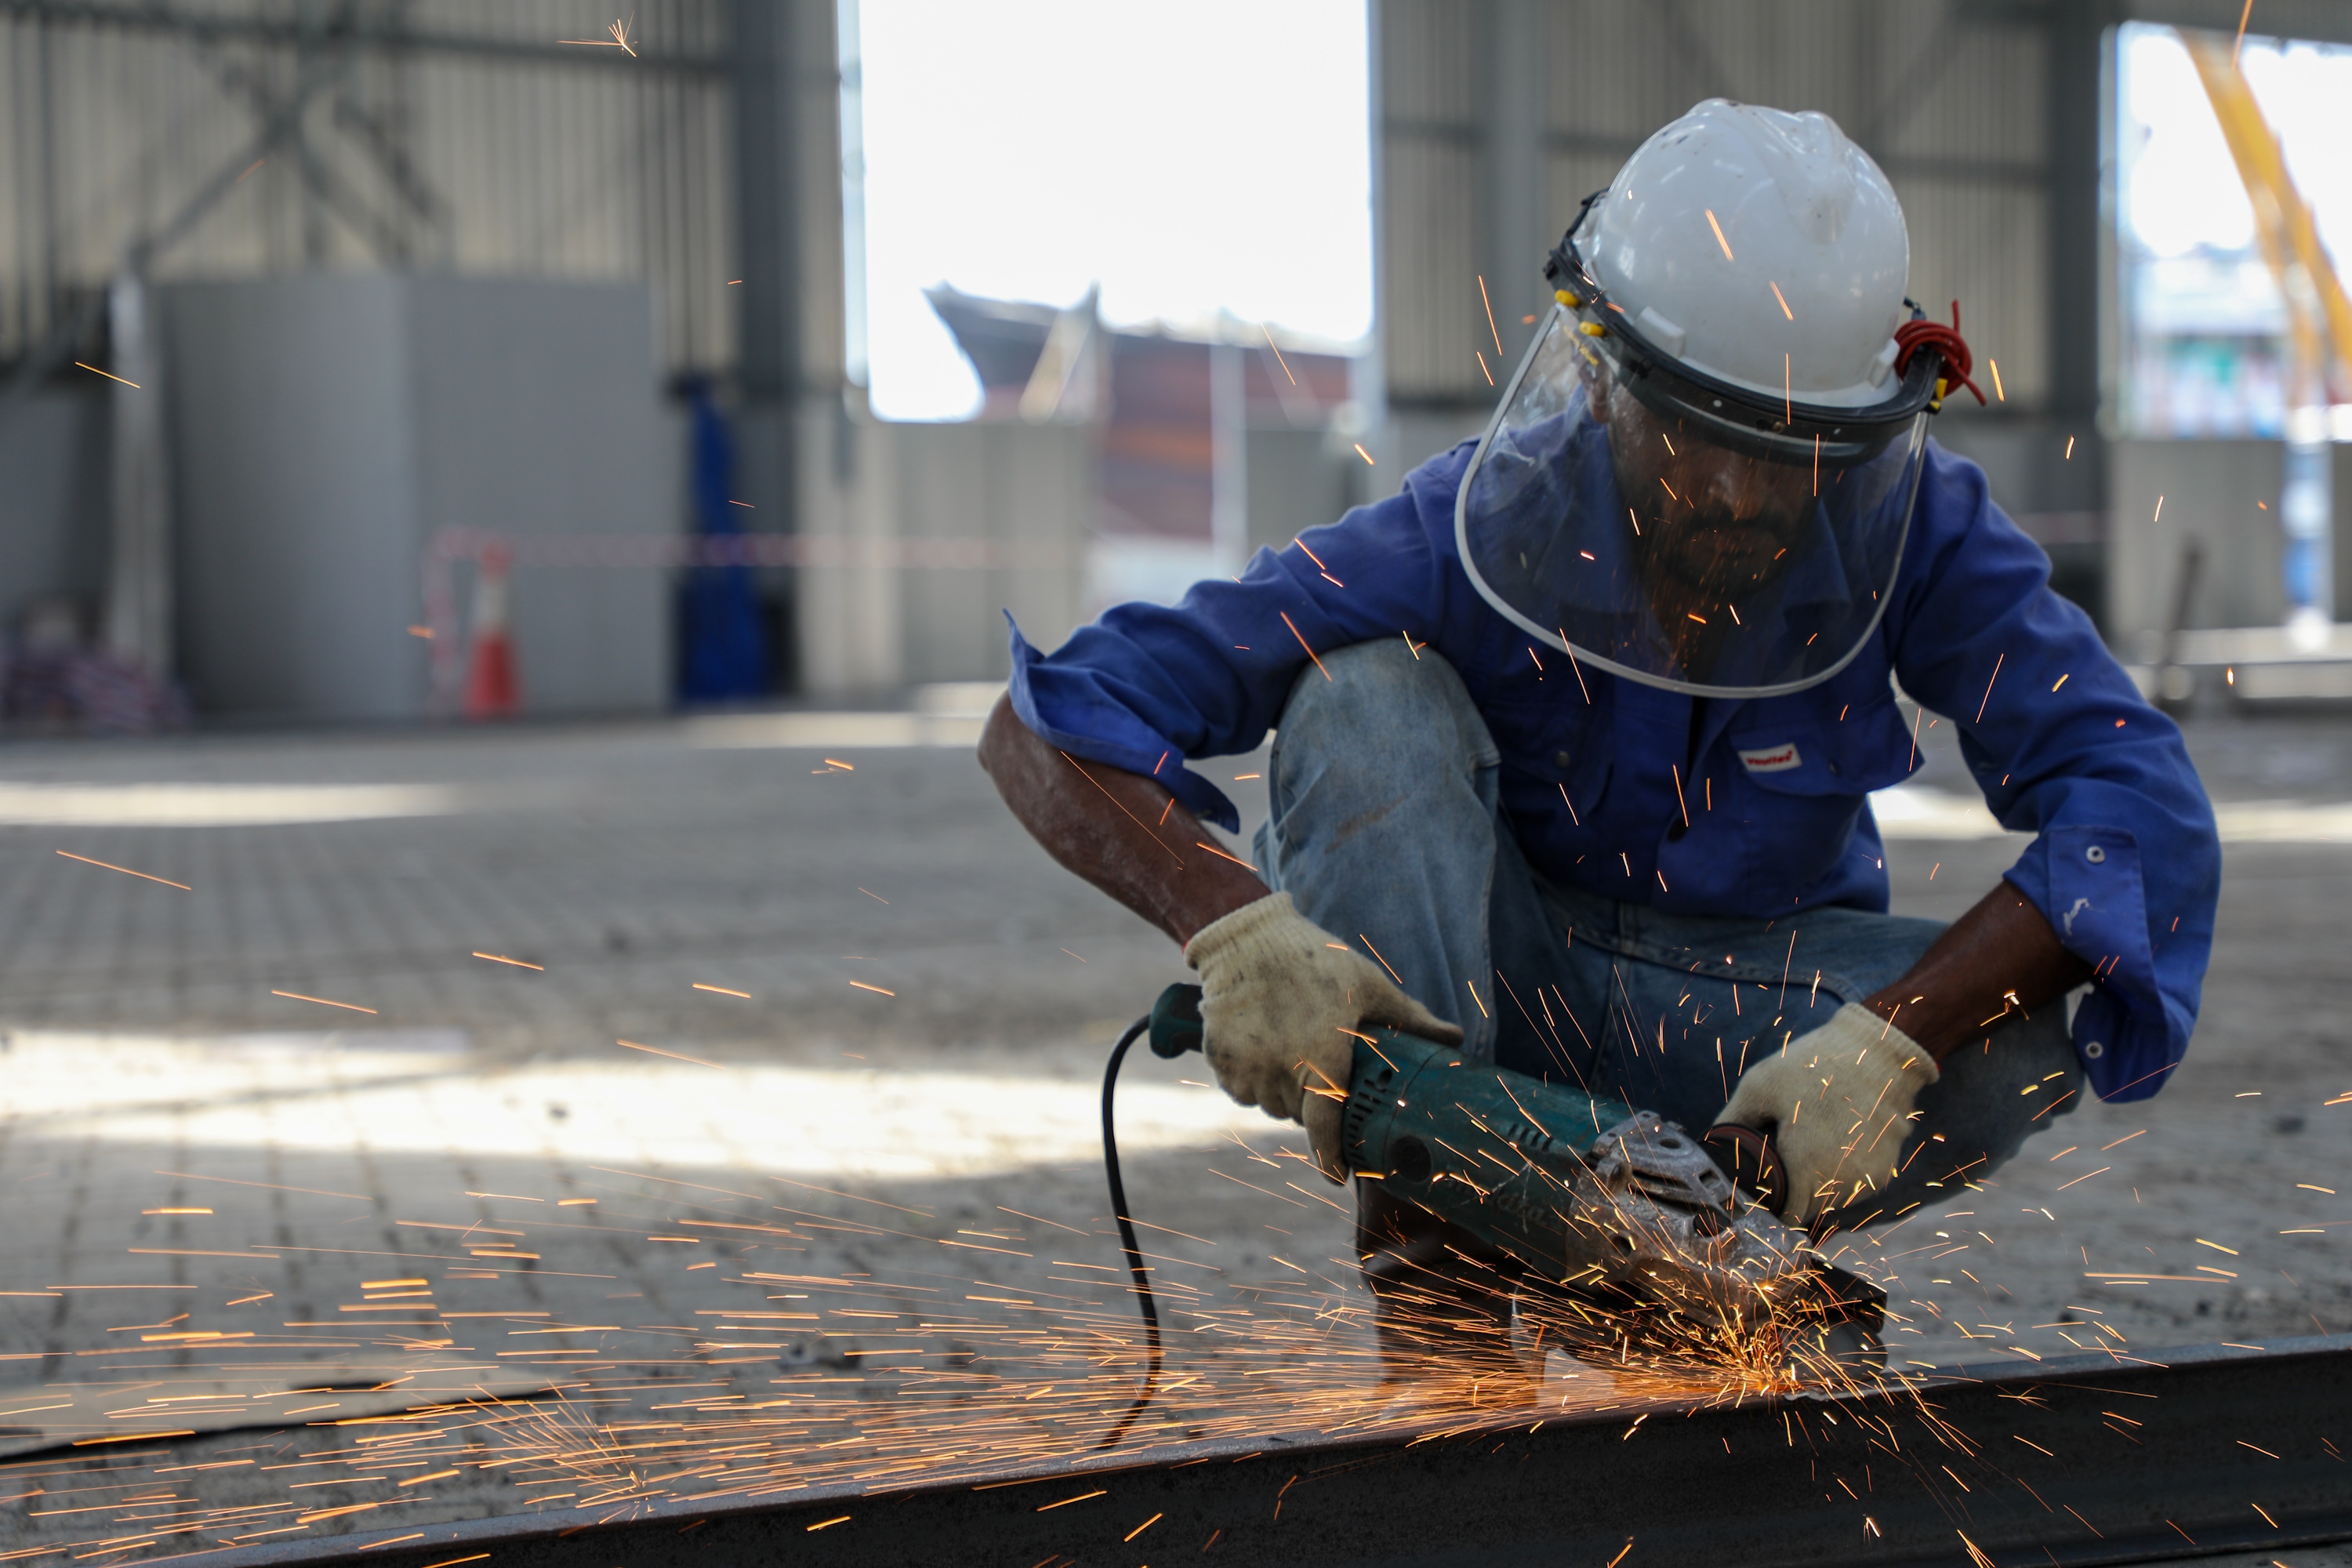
(401, 281)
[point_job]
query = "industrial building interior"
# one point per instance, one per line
(522, 1019)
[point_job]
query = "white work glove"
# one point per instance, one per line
(1839, 1102)
(1278, 995)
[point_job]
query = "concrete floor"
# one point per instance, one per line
(864, 1019)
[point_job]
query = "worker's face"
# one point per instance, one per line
(1715, 525)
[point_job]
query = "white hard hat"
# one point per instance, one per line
(1759, 247)
(1701, 476)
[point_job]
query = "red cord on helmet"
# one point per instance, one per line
(1946, 341)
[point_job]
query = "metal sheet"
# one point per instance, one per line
(2090, 1459)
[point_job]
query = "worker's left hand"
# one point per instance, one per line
(1838, 1103)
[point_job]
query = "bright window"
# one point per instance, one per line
(1196, 157)
(2204, 326)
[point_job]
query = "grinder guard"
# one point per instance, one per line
(1595, 1196)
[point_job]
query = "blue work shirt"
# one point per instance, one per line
(1591, 772)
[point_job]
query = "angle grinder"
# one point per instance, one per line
(1606, 1201)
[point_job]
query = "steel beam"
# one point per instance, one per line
(2081, 1460)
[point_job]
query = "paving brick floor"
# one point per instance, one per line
(845, 1176)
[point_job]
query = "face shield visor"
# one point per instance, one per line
(1679, 531)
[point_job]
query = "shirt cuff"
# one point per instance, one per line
(2086, 880)
(1070, 710)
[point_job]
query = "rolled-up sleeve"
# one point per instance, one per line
(2125, 864)
(1147, 686)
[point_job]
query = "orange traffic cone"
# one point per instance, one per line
(491, 689)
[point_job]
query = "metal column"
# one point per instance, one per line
(1518, 229)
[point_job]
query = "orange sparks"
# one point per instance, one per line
(175, 1211)
(108, 866)
(619, 39)
(249, 168)
(1718, 236)
(863, 986)
(1221, 855)
(873, 895)
(1997, 392)
(1987, 696)
(1153, 832)
(837, 762)
(517, 963)
(2245, 15)
(1490, 320)
(820, 1524)
(1068, 1501)
(1301, 635)
(1482, 367)
(1277, 352)
(2062, 681)
(267, 1186)
(1782, 299)
(1365, 455)
(324, 1001)
(425, 632)
(658, 1051)
(722, 991)
(108, 374)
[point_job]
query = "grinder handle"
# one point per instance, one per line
(1176, 1022)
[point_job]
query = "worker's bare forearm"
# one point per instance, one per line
(1119, 830)
(1998, 959)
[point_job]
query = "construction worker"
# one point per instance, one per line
(1576, 735)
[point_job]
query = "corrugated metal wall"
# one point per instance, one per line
(1950, 100)
(432, 133)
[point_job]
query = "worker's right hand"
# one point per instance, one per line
(1279, 996)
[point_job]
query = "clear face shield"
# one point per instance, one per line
(1675, 529)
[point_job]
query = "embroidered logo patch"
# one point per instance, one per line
(1772, 759)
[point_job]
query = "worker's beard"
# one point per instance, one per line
(1718, 557)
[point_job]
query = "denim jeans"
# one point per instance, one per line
(1384, 831)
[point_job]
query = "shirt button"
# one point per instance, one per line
(2094, 855)
(2093, 1050)
(1559, 758)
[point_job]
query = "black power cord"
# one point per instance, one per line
(1127, 1232)
(1119, 1191)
